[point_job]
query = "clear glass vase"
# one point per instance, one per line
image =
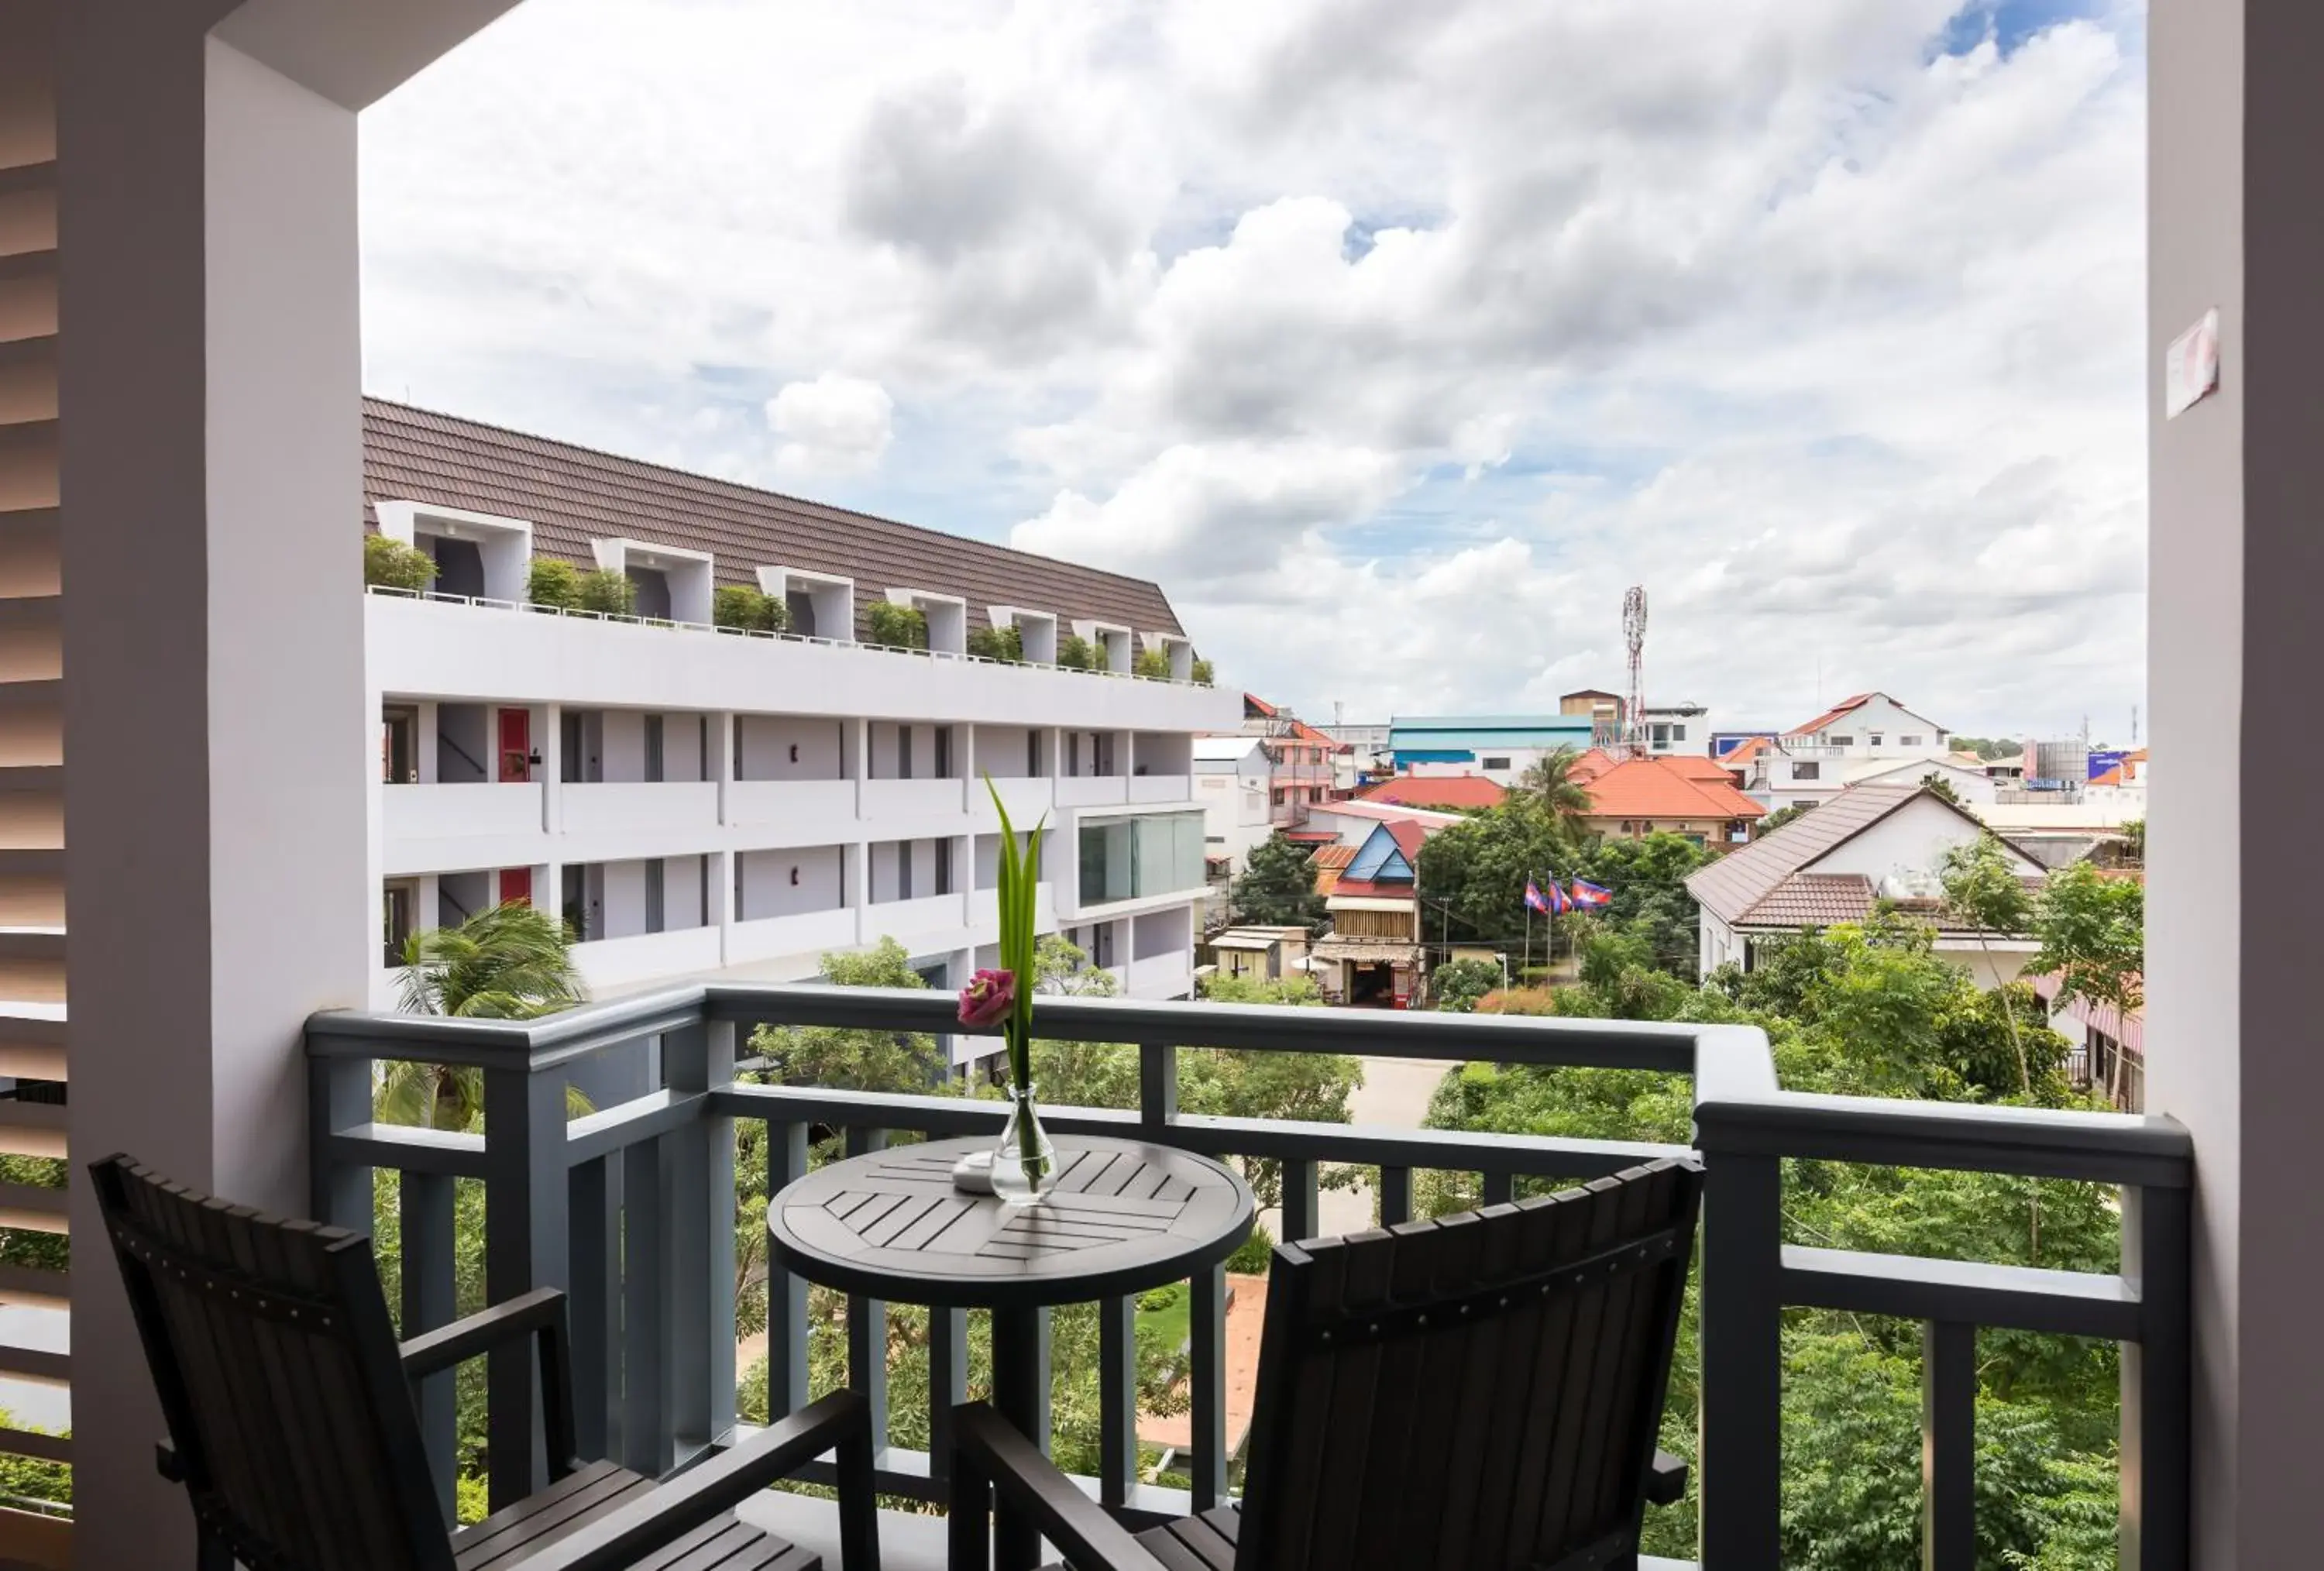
(1024, 1162)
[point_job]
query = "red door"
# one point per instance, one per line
(516, 884)
(516, 746)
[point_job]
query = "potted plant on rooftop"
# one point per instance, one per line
(1024, 1164)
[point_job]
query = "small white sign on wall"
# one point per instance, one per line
(2191, 366)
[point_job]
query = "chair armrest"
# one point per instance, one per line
(987, 1445)
(616, 1541)
(1666, 1480)
(540, 1314)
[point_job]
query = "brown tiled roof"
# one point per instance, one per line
(573, 494)
(1813, 899)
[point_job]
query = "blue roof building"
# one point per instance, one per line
(1491, 744)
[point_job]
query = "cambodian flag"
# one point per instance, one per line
(1559, 901)
(1533, 899)
(1588, 894)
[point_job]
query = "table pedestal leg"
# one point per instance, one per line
(1017, 1395)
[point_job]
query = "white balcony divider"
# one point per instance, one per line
(800, 933)
(1092, 791)
(635, 806)
(646, 957)
(890, 800)
(410, 814)
(820, 811)
(1160, 788)
(1161, 976)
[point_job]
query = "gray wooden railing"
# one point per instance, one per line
(630, 1209)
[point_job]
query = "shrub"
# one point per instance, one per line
(1157, 1299)
(1255, 1255)
(1202, 672)
(602, 589)
(1460, 983)
(1152, 662)
(1077, 653)
(552, 582)
(393, 565)
(895, 626)
(741, 606)
(1002, 643)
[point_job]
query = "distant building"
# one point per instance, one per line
(1810, 762)
(1869, 844)
(1373, 954)
(1632, 797)
(1260, 954)
(1350, 823)
(1442, 794)
(1364, 755)
(1663, 728)
(1302, 759)
(1231, 783)
(1500, 748)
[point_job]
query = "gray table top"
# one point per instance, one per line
(1125, 1216)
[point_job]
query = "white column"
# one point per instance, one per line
(721, 758)
(424, 743)
(551, 745)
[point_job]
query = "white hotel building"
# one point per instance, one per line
(700, 802)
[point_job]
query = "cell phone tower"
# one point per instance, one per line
(1634, 633)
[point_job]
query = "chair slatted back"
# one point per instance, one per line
(1480, 1393)
(277, 1368)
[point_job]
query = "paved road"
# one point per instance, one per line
(1395, 1094)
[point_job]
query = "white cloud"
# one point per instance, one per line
(834, 425)
(1394, 340)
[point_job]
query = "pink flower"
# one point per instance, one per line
(987, 1000)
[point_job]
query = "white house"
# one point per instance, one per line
(1834, 864)
(1231, 780)
(1973, 787)
(1812, 763)
(697, 800)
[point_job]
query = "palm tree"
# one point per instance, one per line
(511, 962)
(1551, 785)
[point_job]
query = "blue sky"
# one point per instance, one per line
(1394, 341)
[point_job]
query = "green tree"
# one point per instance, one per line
(1202, 672)
(846, 1058)
(1077, 653)
(551, 581)
(1549, 786)
(393, 565)
(1986, 893)
(1783, 816)
(894, 627)
(1278, 887)
(2133, 842)
(1152, 662)
(609, 592)
(2092, 932)
(1459, 984)
(511, 962)
(1938, 785)
(1006, 644)
(747, 610)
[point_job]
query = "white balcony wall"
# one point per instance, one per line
(438, 814)
(889, 801)
(1092, 791)
(1160, 788)
(456, 652)
(803, 810)
(1027, 799)
(1008, 751)
(789, 882)
(806, 933)
(687, 809)
(1161, 976)
(907, 920)
(613, 963)
(984, 912)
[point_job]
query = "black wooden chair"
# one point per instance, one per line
(1480, 1393)
(292, 1427)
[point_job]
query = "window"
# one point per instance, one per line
(1678, 732)
(1276, 795)
(396, 914)
(1838, 741)
(944, 754)
(1806, 771)
(1033, 754)
(944, 865)
(1908, 741)
(655, 917)
(1502, 762)
(1130, 858)
(903, 870)
(653, 761)
(903, 753)
(1874, 739)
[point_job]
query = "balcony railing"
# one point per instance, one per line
(654, 1322)
(486, 602)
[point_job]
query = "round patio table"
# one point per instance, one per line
(1125, 1216)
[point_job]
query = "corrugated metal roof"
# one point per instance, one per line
(573, 494)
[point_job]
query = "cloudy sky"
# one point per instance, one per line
(1393, 340)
